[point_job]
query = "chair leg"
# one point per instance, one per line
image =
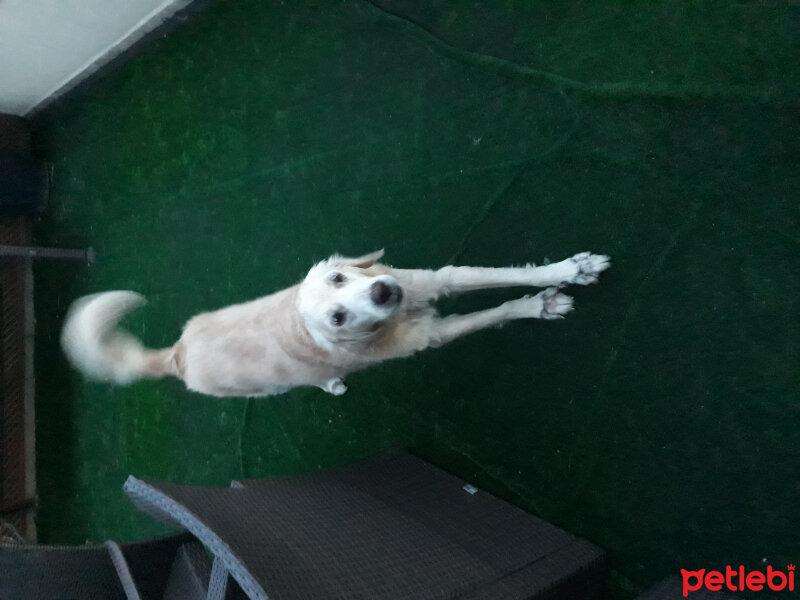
(123, 571)
(218, 582)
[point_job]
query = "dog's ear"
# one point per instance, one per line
(361, 262)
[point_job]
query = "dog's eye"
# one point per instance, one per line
(338, 318)
(337, 278)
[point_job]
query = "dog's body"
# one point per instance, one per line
(347, 314)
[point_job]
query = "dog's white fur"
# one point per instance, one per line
(347, 314)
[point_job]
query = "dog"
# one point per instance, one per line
(345, 315)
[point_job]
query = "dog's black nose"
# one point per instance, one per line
(381, 293)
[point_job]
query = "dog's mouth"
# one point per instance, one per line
(384, 294)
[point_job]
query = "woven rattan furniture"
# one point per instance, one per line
(168, 568)
(391, 527)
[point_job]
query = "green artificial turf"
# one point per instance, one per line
(660, 420)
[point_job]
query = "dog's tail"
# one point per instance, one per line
(95, 346)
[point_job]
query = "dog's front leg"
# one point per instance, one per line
(582, 269)
(334, 386)
(547, 304)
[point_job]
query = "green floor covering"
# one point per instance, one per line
(660, 420)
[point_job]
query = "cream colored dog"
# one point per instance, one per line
(347, 314)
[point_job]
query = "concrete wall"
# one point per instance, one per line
(48, 46)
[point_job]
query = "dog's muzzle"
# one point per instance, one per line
(382, 293)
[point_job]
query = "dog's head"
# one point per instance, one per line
(347, 299)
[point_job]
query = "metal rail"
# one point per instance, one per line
(39, 252)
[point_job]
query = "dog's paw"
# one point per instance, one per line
(548, 304)
(587, 267)
(335, 386)
(554, 304)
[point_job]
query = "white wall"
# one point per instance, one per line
(47, 46)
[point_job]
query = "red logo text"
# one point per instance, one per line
(738, 580)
